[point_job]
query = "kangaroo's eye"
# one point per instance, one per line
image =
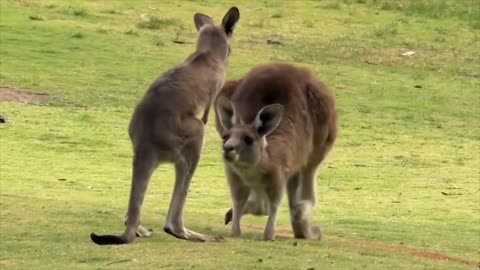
(229, 50)
(225, 138)
(247, 140)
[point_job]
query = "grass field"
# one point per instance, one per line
(400, 190)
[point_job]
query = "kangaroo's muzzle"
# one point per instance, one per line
(229, 153)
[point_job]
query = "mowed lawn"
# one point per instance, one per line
(400, 190)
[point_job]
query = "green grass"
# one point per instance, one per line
(404, 171)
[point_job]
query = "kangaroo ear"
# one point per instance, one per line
(226, 112)
(201, 19)
(268, 119)
(230, 20)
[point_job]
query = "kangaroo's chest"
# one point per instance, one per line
(252, 178)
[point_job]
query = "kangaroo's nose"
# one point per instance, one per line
(228, 148)
(229, 152)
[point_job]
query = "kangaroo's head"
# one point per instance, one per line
(214, 39)
(245, 143)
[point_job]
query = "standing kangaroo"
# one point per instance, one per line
(168, 126)
(277, 124)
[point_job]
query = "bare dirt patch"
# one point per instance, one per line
(417, 252)
(11, 94)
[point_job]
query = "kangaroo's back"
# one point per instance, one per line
(323, 116)
(309, 117)
(180, 91)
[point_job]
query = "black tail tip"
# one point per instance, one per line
(228, 216)
(107, 239)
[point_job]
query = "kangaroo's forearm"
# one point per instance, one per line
(205, 114)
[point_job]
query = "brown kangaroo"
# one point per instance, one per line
(277, 123)
(168, 126)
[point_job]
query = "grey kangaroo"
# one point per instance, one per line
(277, 123)
(168, 126)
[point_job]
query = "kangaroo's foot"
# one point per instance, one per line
(186, 234)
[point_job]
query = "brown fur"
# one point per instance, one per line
(167, 126)
(294, 149)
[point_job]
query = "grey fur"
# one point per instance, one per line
(167, 126)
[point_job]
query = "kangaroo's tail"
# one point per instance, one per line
(108, 239)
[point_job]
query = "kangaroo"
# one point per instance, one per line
(277, 124)
(167, 126)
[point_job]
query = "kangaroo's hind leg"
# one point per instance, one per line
(301, 195)
(141, 231)
(186, 160)
(144, 163)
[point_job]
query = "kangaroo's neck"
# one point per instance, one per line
(265, 163)
(205, 59)
(263, 166)
(211, 67)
